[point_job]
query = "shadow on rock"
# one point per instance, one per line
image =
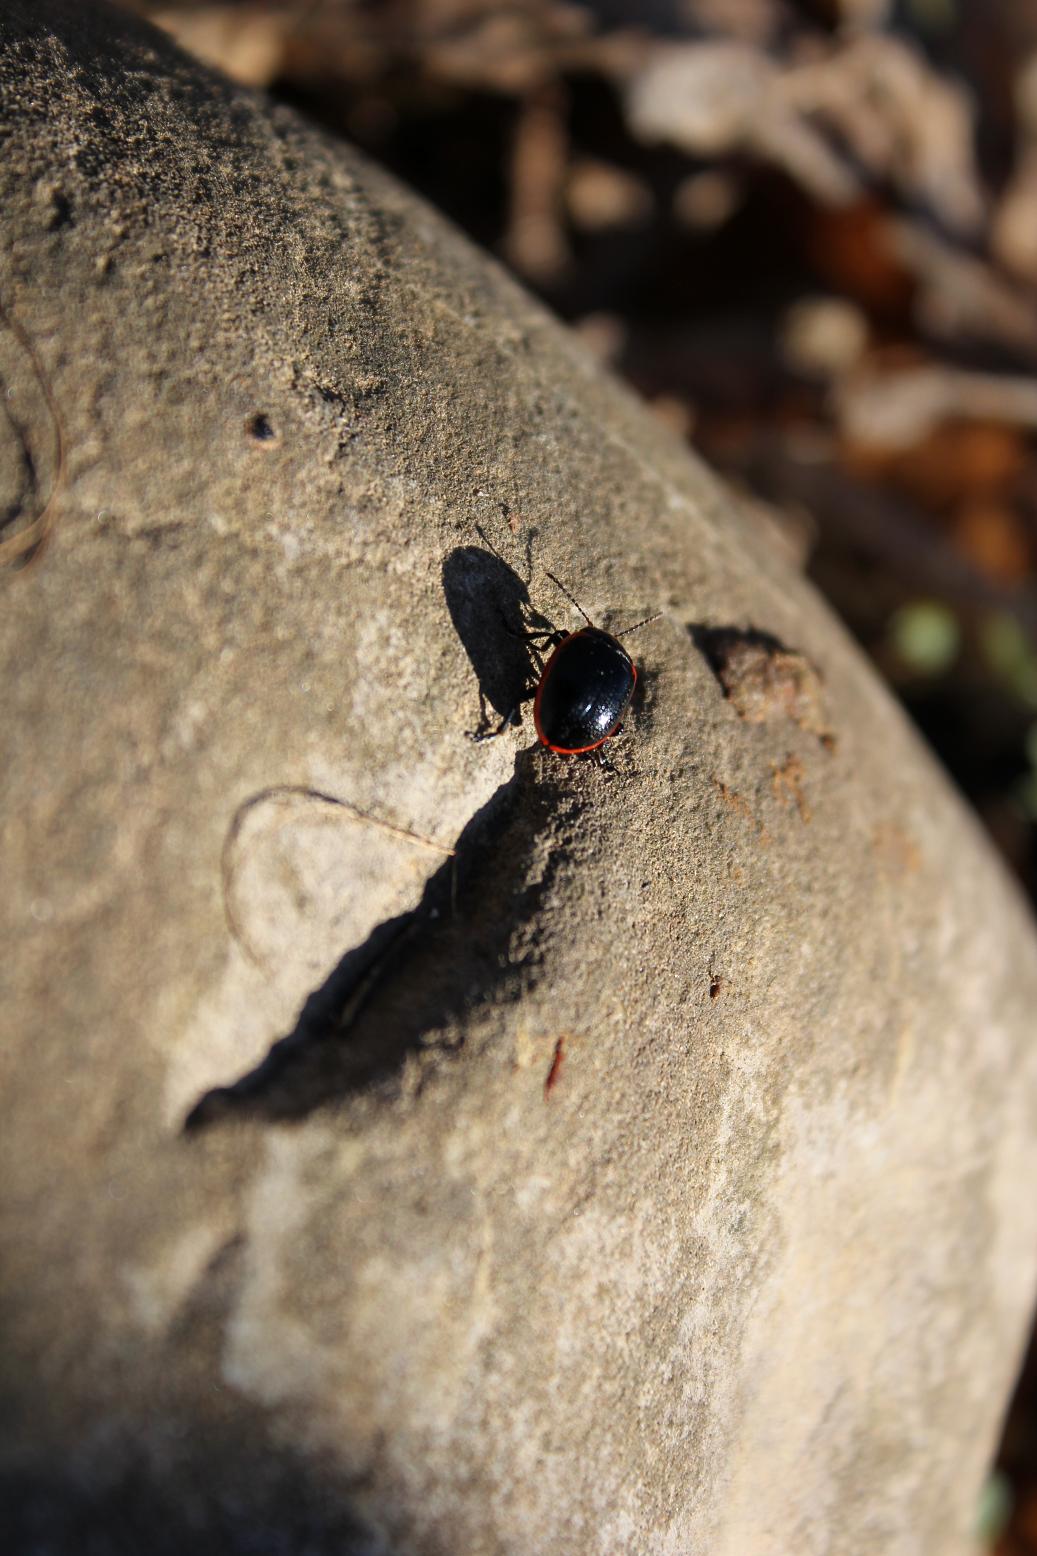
(490, 608)
(466, 943)
(182, 1487)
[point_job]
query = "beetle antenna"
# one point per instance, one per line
(638, 625)
(487, 541)
(569, 597)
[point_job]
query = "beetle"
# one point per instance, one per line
(584, 688)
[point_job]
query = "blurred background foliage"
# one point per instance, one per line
(806, 232)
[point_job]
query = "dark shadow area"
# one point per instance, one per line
(152, 1450)
(179, 1463)
(490, 608)
(415, 974)
(165, 1457)
(261, 429)
(180, 1486)
(718, 645)
(24, 489)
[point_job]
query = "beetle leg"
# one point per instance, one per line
(542, 635)
(513, 716)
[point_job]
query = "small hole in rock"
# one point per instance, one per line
(261, 428)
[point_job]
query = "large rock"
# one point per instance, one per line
(652, 1174)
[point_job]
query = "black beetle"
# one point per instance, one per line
(584, 689)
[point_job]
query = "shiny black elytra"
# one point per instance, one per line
(583, 690)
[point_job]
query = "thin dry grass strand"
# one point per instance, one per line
(285, 791)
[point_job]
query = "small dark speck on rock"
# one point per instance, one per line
(261, 429)
(60, 210)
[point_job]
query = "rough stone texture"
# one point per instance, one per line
(667, 1185)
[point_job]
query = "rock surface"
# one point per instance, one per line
(653, 1173)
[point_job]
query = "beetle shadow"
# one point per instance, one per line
(416, 974)
(490, 608)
